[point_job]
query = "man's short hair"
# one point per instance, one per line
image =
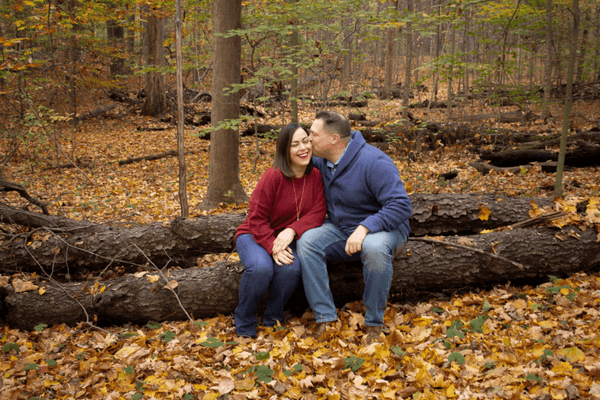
(334, 122)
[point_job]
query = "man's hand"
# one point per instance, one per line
(355, 241)
(283, 240)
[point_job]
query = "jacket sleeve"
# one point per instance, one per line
(383, 180)
(318, 209)
(260, 208)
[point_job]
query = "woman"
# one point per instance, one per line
(287, 201)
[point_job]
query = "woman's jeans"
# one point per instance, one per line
(327, 243)
(261, 274)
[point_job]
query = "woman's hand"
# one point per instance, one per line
(283, 257)
(283, 240)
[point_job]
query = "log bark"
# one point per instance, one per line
(584, 155)
(80, 243)
(423, 265)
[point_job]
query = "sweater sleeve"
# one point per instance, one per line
(317, 210)
(260, 208)
(384, 182)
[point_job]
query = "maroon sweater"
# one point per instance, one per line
(272, 207)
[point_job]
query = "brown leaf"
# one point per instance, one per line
(23, 286)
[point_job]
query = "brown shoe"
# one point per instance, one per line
(320, 329)
(372, 335)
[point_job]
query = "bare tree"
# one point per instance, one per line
(156, 99)
(224, 183)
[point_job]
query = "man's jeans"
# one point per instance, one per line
(327, 243)
(261, 274)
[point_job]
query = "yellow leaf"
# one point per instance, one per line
(484, 213)
(563, 368)
(451, 391)
(564, 291)
(487, 231)
(573, 354)
(211, 396)
(42, 291)
(152, 279)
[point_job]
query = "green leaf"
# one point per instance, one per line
(130, 334)
(556, 289)
(29, 366)
(486, 306)
(456, 356)
(139, 385)
(262, 356)
(533, 377)
(188, 396)
(128, 370)
(478, 322)
(153, 325)
(353, 362)
(263, 373)
(457, 324)
(548, 353)
(358, 364)
(490, 365)
(10, 346)
(553, 278)
(168, 336)
(201, 324)
(451, 332)
(40, 327)
(51, 363)
(212, 342)
(137, 396)
(535, 306)
(437, 310)
(571, 296)
(398, 351)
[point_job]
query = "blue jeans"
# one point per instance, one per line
(327, 243)
(261, 274)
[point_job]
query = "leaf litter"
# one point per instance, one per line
(507, 342)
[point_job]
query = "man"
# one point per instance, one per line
(367, 218)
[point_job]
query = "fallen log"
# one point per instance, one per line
(508, 117)
(485, 169)
(96, 112)
(69, 244)
(152, 157)
(8, 186)
(440, 265)
(584, 155)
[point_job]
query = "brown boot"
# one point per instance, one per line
(320, 329)
(372, 335)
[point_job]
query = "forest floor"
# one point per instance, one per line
(507, 342)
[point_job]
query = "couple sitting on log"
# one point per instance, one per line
(286, 234)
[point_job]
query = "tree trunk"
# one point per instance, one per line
(115, 34)
(224, 183)
(423, 265)
(156, 99)
(74, 53)
(389, 59)
(81, 244)
(183, 199)
(548, 64)
(408, 57)
(568, 100)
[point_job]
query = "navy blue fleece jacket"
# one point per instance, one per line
(365, 189)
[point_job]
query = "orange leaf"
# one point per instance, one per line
(484, 213)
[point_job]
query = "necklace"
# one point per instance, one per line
(301, 198)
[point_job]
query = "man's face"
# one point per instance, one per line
(321, 141)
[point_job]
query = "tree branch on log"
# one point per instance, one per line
(484, 169)
(7, 186)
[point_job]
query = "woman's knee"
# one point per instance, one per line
(259, 267)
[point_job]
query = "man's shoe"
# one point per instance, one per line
(372, 335)
(320, 329)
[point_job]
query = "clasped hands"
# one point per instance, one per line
(282, 253)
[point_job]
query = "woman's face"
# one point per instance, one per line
(300, 149)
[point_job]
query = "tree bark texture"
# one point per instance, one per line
(421, 266)
(224, 183)
(156, 98)
(93, 246)
(584, 155)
